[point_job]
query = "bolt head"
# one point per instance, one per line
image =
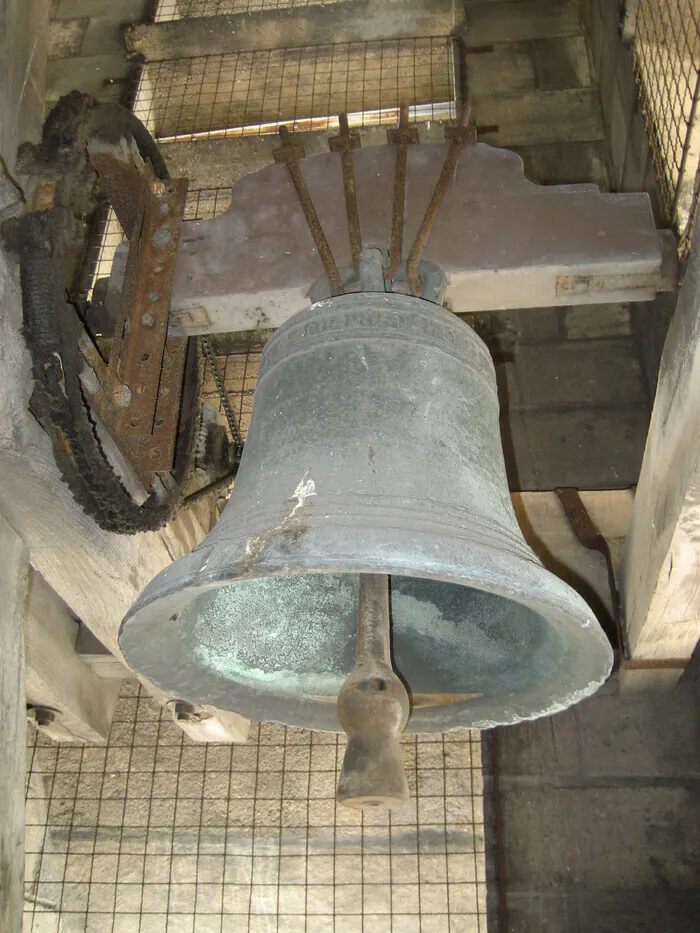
(121, 396)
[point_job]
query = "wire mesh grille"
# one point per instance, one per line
(667, 64)
(240, 367)
(239, 371)
(169, 10)
(106, 236)
(155, 833)
(253, 93)
(205, 203)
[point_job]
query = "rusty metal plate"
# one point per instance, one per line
(146, 360)
(120, 182)
(164, 433)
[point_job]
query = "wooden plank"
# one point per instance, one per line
(56, 677)
(661, 595)
(514, 67)
(540, 117)
(353, 21)
(489, 22)
(14, 568)
(500, 69)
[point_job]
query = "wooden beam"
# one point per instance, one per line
(502, 241)
(513, 21)
(660, 591)
(316, 24)
(14, 569)
(56, 678)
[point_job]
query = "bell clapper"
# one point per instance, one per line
(373, 708)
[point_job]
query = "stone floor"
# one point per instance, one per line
(155, 834)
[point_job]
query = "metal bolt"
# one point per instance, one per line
(153, 296)
(186, 712)
(155, 452)
(162, 238)
(164, 208)
(41, 715)
(147, 319)
(121, 395)
(158, 188)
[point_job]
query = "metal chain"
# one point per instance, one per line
(223, 395)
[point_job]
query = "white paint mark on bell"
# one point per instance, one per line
(305, 489)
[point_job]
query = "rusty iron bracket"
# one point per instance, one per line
(458, 136)
(289, 154)
(344, 143)
(589, 536)
(120, 182)
(141, 386)
(402, 138)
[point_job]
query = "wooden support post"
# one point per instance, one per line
(14, 567)
(660, 591)
(57, 680)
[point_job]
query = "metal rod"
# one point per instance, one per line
(373, 629)
(402, 142)
(373, 708)
(435, 204)
(288, 154)
(351, 210)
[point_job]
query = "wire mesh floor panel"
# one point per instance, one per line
(252, 93)
(156, 834)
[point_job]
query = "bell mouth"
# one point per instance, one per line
(279, 647)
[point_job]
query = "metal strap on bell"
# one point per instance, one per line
(373, 449)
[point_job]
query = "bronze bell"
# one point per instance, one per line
(373, 449)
